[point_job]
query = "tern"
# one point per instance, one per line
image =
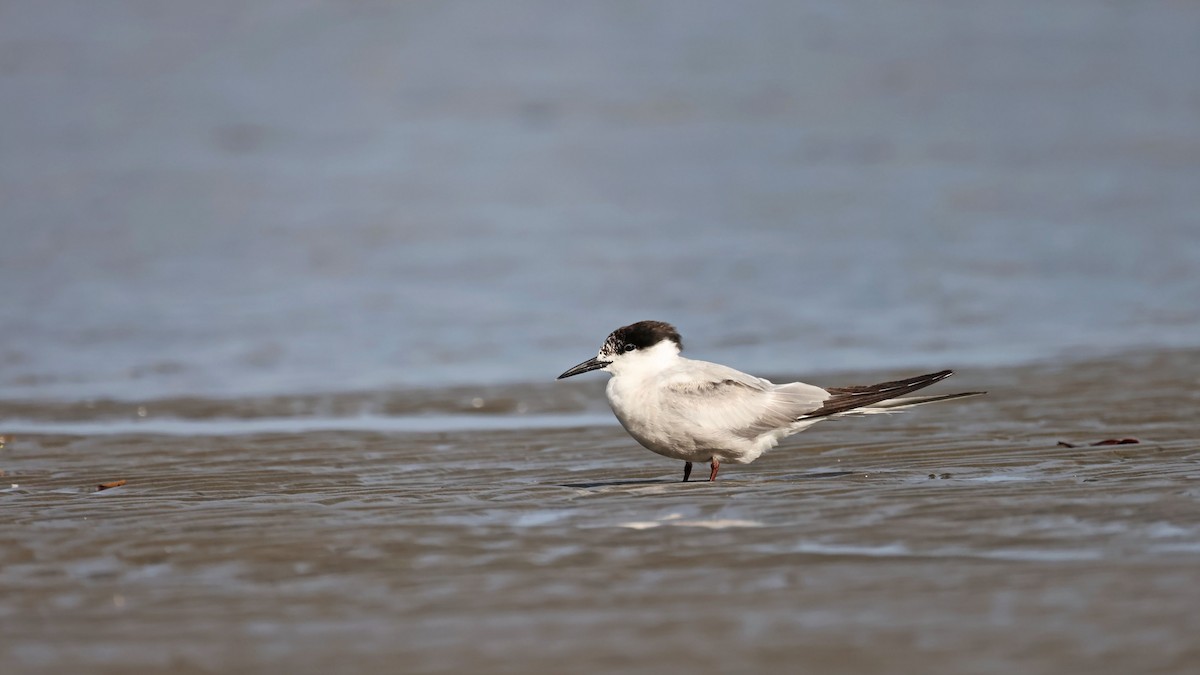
(697, 411)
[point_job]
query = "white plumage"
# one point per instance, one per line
(699, 411)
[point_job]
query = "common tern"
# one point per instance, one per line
(698, 411)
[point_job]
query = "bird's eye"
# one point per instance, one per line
(630, 348)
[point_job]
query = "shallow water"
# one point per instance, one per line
(949, 539)
(239, 199)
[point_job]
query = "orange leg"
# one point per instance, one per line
(687, 471)
(716, 466)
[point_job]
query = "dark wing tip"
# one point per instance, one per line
(909, 384)
(843, 399)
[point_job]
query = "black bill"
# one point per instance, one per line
(593, 363)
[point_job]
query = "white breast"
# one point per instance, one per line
(639, 407)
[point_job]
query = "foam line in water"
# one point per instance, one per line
(284, 425)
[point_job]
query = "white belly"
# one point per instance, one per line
(657, 426)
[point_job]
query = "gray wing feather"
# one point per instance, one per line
(741, 404)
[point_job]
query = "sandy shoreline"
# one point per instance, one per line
(950, 539)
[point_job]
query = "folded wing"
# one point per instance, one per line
(740, 404)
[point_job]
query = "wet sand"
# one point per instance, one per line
(953, 539)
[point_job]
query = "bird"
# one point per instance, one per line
(697, 411)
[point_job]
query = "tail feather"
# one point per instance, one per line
(883, 397)
(911, 401)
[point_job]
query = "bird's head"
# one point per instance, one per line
(641, 345)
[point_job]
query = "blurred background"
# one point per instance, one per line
(239, 198)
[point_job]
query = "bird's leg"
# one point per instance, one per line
(687, 471)
(716, 466)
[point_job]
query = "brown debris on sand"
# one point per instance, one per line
(1107, 441)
